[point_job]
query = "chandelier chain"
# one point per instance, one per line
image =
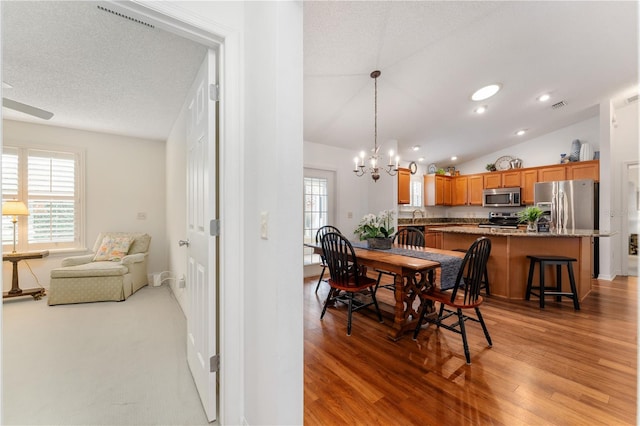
(375, 115)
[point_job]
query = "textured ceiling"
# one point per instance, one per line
(433, 55)
(97, 71)
(94, 70)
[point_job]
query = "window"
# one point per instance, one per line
(49, 182)
(416, 194)
(315, 213)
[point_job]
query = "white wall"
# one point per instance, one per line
(351, 190)
(273, 340)
(123, 177)
(543, 150)
(355, 196)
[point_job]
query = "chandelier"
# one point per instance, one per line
(375, 158)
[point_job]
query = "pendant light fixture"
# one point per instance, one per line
(375, 159)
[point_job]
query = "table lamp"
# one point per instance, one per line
(14, 208)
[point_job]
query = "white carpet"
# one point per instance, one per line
(108, 363)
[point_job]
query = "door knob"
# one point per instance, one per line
(183, 243)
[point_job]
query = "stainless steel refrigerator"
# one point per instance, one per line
(570, 205)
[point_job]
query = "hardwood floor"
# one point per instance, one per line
(551, 366)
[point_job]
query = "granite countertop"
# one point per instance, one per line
(441, 221)
(522, 232)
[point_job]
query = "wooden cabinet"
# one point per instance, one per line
(467, 190)
(492, 180)
(584, 170)
(433, 239)
(511, 179)
(528, 179)
(437, 190)
(507, 179)
(404, 186)
(460, 191)
(549, 174)
(475, 190)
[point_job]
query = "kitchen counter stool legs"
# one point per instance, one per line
(558, 261)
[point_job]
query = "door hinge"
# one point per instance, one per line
(214, 227)
(214, 92)
(214, 364)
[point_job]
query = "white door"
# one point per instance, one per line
(201, 251)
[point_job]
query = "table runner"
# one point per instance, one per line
(449, 265)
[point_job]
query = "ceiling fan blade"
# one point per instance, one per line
(27, 109)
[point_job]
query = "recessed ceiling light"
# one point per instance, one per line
(416, 147)
(421, 159)
(544, 97)
(521, 132)
(486, 92)
(454, 158)
(481, 109)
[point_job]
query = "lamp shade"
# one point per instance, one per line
(14, 208)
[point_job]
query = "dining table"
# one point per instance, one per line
(414, 273)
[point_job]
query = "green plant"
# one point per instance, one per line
(440, 172)
(372, 226)
(491, 167)
(529, 214)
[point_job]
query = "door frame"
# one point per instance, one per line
(227, 42)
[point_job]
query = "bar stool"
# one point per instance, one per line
(557, 290)
(485, 277)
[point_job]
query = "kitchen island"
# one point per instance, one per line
(508, 266)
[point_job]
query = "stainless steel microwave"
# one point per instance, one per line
(501, 197)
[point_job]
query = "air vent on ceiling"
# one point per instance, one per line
(137, 21)
(632, 99)
(558, 105)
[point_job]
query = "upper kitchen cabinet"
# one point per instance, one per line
(552, 173)
(467, 190)
(584, 170)
(404, 186)
(437, 190)
(528, 179)
(460, 191)
(511, 178)
(492, 180)
(475, 190)
(507, 179)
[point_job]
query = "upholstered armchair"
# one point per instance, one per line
(116, 268)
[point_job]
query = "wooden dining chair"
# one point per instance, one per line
(319, 234)
(408, 236)
(347, 277)
(464, 296)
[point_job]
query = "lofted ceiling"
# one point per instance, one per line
(434, 55)
(94, 70)
(98, 71)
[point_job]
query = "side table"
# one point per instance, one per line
(16, 291)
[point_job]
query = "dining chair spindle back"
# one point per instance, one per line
(347, 278)
(408, 236)
(319, 234)
(465, 295)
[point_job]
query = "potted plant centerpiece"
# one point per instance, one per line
(530, 215)
(377, 230)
